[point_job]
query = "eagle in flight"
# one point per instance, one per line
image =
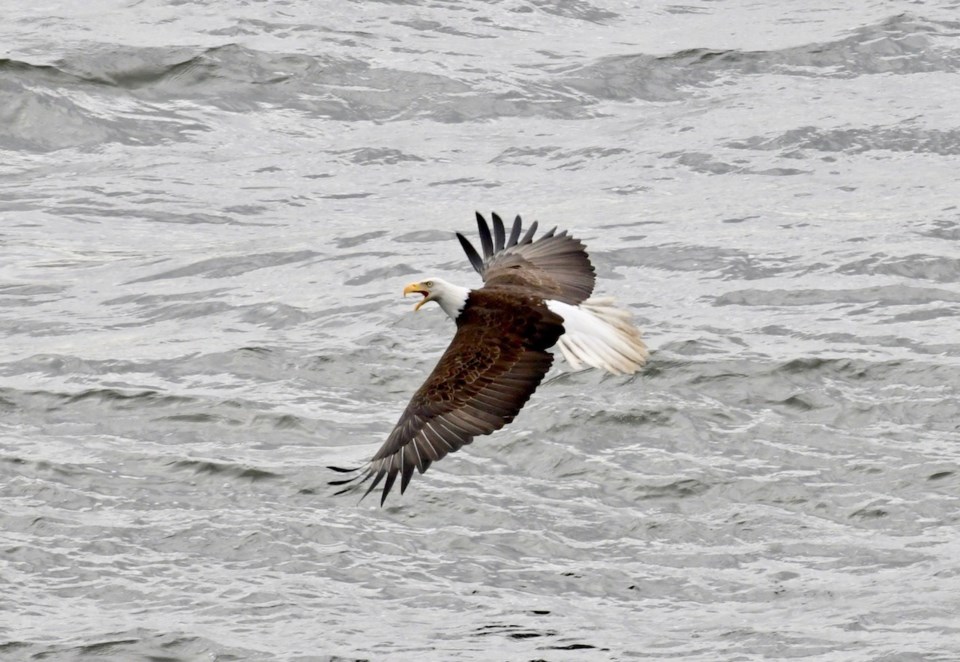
(535, 295)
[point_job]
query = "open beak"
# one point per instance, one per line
(415, 288)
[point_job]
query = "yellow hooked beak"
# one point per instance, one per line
(417, 288)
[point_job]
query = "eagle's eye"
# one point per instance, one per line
(429, 283)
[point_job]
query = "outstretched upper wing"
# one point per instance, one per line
(553, 266)
(487, 374)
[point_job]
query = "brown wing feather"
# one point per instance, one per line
(493, 365)
(554, 266)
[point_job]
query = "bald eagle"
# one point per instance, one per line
(535, 295)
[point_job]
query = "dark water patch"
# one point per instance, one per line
(887, 295)
(798, 402)
(908, 373)
(914, 267)
(628, 190)
(138, 644)
(870, 512)
(246, 210)
(924, 315)
(579, 159)
(902, 44)
(35, 468)
(179, 311)
(116, 399)
(200, 417)
(896, 138)
(732, 375)
(11, 647)
(512, 631)
(712, 374)
(365, 256)
(728, 263)
(346, 196)
(702, 162)
(380, 274)
(111, 398)
(209, 467)
(861, 341)
(258, 364)
(35, 292)
(527, 156)
(271, 315)
(423, 25)
(576, 9)
(680, 489)
(424, 236)
(942, 229)
(359, 239)
(641, 76)
(105, 647)
(59, 364)
(838, 393)
(709, 165)
(200, 218)
(663, 416)
(570, 647)
(466, 181)
(235, 78)
(27, 113)
(899, 45)
(101, 211)
(253, 364)
(154, 300)
(239, 79)
(228, 267)
(847, 368)
(235, 414)
(280, 422)
(692, 347)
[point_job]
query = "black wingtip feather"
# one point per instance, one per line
(527, 238)
(498, 232)
(486, 241)
(471, 252)
(352, 483)
(344, 481)
(380, 474)
(407, 475)
(387, 485)
(515, 232)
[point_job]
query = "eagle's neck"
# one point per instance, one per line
(452, 298)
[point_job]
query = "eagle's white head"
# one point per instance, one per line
(452, 298)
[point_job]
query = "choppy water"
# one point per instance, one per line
(208, 211)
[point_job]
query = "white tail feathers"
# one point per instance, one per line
(600, 335)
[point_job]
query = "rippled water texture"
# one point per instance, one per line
(208, 212)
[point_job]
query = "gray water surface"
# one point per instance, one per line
(208, 213)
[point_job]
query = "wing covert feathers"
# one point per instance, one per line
(553, 266)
